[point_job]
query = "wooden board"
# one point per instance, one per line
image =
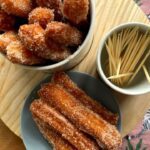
(16, 82)
(8, 138)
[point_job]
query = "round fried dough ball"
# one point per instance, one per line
(6, 38)
(17, 53)
(16, 7)
(63, 34)
(41, 15)
(6, 21)
(76, 11)
(33, 37)
(56, 5)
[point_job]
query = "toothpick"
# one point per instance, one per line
(146, 73)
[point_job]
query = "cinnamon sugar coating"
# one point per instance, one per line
(54, 138)
(84, 118)
(17, 53)
(16, 7)
(6, 38)
(63, 79)
(59, 123)
(41, 15)
(33, 37)
(76, 10)
(64, 34)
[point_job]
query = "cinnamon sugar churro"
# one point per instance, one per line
(63, 34)
(63, 79)
(18, 53)
(33, 37)
(58, 122)
(41, 15)
(76, 11)
(16, 7)
(56, 5)
(83, 118)
(52, 136)
(6, 38)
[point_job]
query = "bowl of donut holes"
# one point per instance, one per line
(48, 35)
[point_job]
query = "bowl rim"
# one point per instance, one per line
(98, 61)
(79, 49)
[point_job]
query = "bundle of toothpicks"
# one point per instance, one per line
(128, 50)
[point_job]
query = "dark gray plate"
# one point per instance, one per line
(33, 139)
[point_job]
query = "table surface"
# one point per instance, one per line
(16, 83)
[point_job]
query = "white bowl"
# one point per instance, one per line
(140, 84)
(78, 55)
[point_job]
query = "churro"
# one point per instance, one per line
(52, 136)
(85, 119)
(16, 7)
(58, 122)
(63, 34)
(76, 11)
(41, 15)
(63, 79)
(6, 38)
(33, 37)
(18, 53)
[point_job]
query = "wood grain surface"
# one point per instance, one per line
(16, 82)
(8, 140)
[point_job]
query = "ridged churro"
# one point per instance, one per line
(85, 119)
(58, 122)
(63, 79)
(52, 136)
